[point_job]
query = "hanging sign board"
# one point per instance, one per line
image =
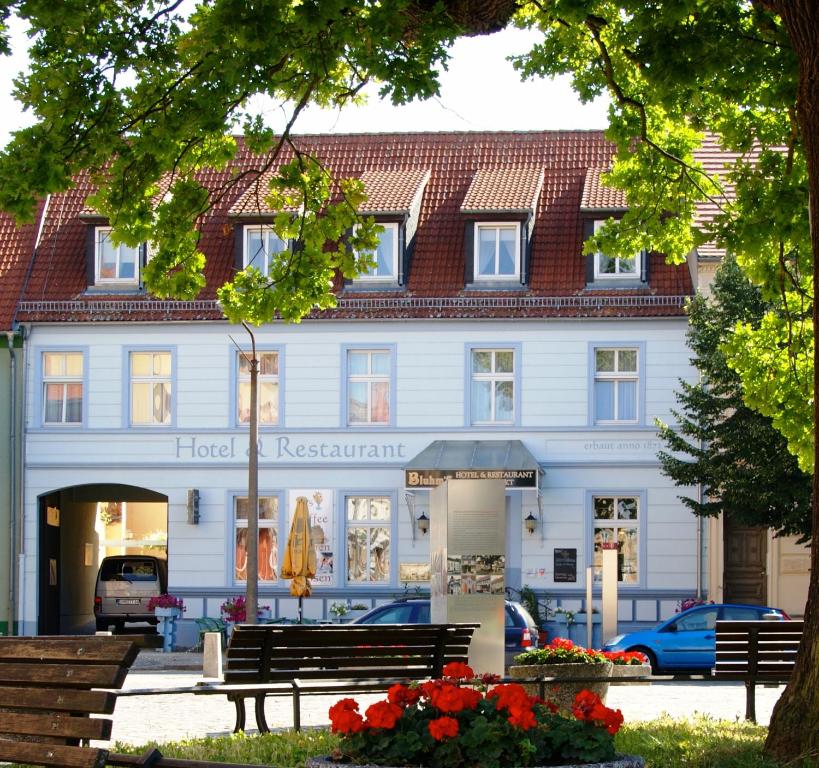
(431, 478)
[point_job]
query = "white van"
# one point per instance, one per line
(125, 584)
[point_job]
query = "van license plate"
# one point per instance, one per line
(123, 601)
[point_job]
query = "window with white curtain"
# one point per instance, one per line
(114, 263)
(385, 256)
(267, 391)
(262, 245)
(497, 251)
(616, 385)
(62, 387)
(151, 388)
(492, 395)
(368, 386)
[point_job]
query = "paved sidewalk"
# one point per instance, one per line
(180, 716)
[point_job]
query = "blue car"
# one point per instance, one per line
(685, 642)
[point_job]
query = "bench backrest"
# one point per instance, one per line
(757, 648)
(271, 653)
(46, 697)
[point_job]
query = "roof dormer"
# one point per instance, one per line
(598, 204)
(500, 207)
(394, 201)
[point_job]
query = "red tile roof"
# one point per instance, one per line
(503, 190)
(391, 191)
(598, 197)
(436, 275)
(16, 248)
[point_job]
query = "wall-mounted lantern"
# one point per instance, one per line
(422, 521)
(530, 521)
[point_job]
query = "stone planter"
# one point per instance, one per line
(627, 671)
(563, 694)
(621, 761)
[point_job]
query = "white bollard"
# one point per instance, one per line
(212, 656)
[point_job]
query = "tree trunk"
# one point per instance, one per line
(794, 727)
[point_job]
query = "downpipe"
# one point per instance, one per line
(12, 607)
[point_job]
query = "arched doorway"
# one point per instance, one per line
(78, 526)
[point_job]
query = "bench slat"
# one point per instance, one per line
(55, 726)
(51, 755)
(98, 702)
(69, 675)
(75, 651)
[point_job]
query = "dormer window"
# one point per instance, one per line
(499, 210)
(497, 251)
(114, 263)
(614, 267)
(261, 245)
(385, 256)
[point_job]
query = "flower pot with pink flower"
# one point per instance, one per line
(167, 608)
(461, 720)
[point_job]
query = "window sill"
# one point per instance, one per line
(496, 285)
(609, 284)
(374, 287)
(114, 288)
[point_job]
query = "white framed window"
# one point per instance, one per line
(114, 263)
(616, 385)
(497, 251)
(385, 256)
(369, 387)
(369, 526)
(616, 520)
(268, 388)
(492, 386)
(151, 394)
(614, 267)
(261, 246)
(62, 387)
(268, 548)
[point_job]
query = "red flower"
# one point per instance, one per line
(447, 698)
(588, 706)
(458, 671)
(522, 717)
(443, 728)
(383, 714)
(509, 696)
(344, 717)
(402, 695)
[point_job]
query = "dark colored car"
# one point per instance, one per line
(686, 642)
(521, 630)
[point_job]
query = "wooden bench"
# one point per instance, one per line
(756, 652)
(298, 660)
(50, 699)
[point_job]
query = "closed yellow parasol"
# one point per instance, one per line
(299, 555)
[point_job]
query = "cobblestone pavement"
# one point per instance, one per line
(138, 719)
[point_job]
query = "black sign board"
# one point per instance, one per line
(565, 565)
(430, 478)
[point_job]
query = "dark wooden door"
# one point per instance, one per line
(48, 619)
(746, 549)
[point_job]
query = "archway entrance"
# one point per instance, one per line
(79, 526)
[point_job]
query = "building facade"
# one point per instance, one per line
(482, 343)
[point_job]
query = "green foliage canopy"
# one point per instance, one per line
(735, 453)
